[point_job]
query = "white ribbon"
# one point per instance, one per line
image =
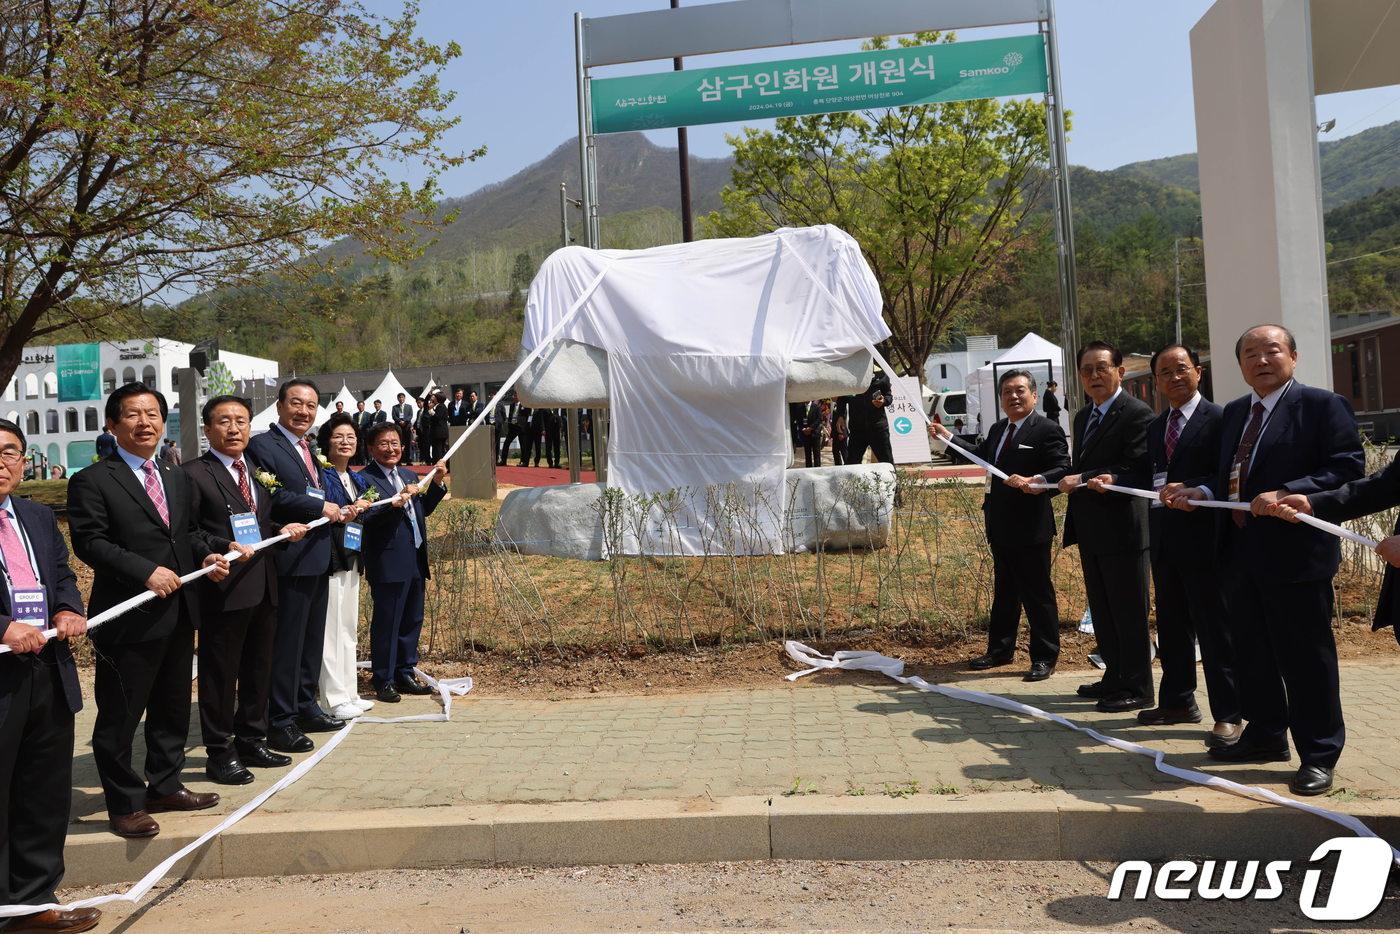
(894, 668)
(446, 689)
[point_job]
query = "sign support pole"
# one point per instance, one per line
(1064, 224)
(588, 197)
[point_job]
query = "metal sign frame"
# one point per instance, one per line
(712, 27)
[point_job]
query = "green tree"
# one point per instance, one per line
(152, 148)
(936, 195)
(522, 272)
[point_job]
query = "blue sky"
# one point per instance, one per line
(1126, 74)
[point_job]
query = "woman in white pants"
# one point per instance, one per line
(340, 694)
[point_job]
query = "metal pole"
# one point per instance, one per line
(1064, 218)
(683, 145)
(585, 138)
(1176, 254)
(570, 415)
(563, 214)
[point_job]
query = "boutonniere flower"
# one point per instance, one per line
(370, 495)
(268, 481)
(323, 460)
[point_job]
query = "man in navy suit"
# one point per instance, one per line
(396, 563)
(39, 695)
(284, 450)
(1184, 445)
(1284, 437)
(1020, 526)
(1359, 498)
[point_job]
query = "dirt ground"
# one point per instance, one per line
(769, 896)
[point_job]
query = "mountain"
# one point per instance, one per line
(1352, 168)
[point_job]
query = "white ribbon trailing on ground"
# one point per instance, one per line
(446, 689)
(893, 668)
(1328, 527)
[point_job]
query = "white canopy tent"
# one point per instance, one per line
(346, 397)
(387, 392)
(1044, 360)
(264, 419)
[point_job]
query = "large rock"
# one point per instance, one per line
(571, 375)
(830, 507)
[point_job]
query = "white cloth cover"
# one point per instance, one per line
(699, 337)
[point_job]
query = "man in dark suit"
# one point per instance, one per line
(1020, 526)
(437, 419)
(1359, 498)
(869, 429)
(507, 416)
(536, 430)
(284, 451)
(1110, 446)
(1284, 437)
(553, 437)
(474, 407)
(106, 444)
(378, 416)
(1183, 443)
(131, 522)
(402, 413)
(239, 612)
(810, 431)
(396, 564)
(457, 411)
(39, 695)
(1052, 402)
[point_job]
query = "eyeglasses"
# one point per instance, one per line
(11, 455)
(1095, 369)
(1179, 371)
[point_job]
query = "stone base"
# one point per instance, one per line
(828, 507)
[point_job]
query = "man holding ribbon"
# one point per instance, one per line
(1110, 447)
(292, 478)
(1184, 444)
(1020, 526)
(240, 612)
(1284, 437)
(39, 695)
(396, 564)
(131, 521)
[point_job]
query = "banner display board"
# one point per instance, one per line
(79, 372)
(908, 436)
(898, 77)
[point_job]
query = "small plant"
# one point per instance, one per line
(799, 789)
(854, 790)
(942, 788)
(906, 790)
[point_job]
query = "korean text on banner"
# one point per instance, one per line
(908, 436)
(899, 77)
(79, 372)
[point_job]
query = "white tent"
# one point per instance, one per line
(264, 419)
(428, 389)
(344, 396)
(387, 392)
(1043, 359)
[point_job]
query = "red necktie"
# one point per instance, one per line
(1006, 443)
(1173, 432)
(1245, 451)
(310, 466)
(243, 486)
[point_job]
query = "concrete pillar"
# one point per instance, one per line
(1261, 193)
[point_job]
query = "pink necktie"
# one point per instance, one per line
(310, 467)
(1173, 433)
(16, 558)
(154, 491)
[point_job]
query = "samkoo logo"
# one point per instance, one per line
(1358, 883)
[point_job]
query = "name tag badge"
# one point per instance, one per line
(1235, 483)
(315, 493)
(31, 606)
(245, 528)
(1159, 480)
(354, 533)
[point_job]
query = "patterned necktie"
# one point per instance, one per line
(154, 491)
(412, 511)
(1006, 443)
(1173, 432)
(311, 470)
(1094, 418)
(1245, 451)
(15, 555)
(243, 486)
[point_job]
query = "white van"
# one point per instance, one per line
(950, 409)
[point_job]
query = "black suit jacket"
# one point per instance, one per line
(1185, 535)
(117, 532)
(363, 420)
(1361, 498)
(437, 423)
(458, 411)
(1038, 447)
(375, 417)
(403, 414)
(214, 496)
(1109, 523)
(1051, 404)
(61, 592)
(310, 557)
(1309, 445)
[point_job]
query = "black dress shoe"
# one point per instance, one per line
(1311, 780)
(387, 693)
(319, 724)
(254, 753)
(289, 739)
(227, 772)
(1039, 671)
(1094, 691)
(411, 685)
(1249, 751)
(1166, 716)
(1122, 703)
(983, 662)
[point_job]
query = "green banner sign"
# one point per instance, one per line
(929, 74)
(79, 372)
